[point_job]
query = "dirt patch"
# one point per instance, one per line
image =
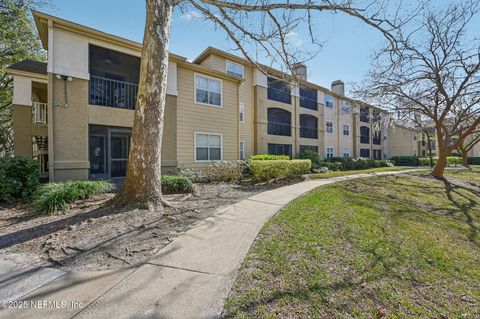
(92, 236)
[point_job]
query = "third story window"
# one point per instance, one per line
(208, 90)
(329, 127)
(279, 91)
(329, 101)
(234, 69)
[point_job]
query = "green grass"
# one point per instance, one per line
(360, 171)
(404, 246)
(57, 197)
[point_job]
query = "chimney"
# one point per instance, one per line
(299, 70)
(338, 87)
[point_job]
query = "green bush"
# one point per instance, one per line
(406, 160)
(176, 184)
(266, 170)
(312, 156)
(268, 157)
(474, 160)
(454, 160)
(18, 178)
(347, 164)
(54, 197)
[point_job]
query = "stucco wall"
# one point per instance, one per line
(401, 142)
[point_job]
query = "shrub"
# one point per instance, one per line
(347, 164)
(406, 160)
(176, 184)
(54, 197)
(474, 160)
(18, 178)
(268, 157)
(454, 160)
(266, 170)
(312, 156)
(332, 166)
(227, 171)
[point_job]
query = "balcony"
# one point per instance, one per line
(308, 98)
(39, 112)
(364, 140)
(279, 129)
(278, 91)
(377, 141)
(112, 93)
(308, 132)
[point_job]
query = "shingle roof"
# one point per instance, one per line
(31, 66)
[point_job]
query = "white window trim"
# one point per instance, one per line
(333, 102)
(231, 62)
(348, 125)
(333, 127)
(333, 151)
(195, 90)
(241, 150)
(343, 151)
(195, 147)
(242, 111)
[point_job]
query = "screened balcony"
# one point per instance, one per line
(308, 98)
(279, 122)
(114, 78)
(377, 138)
(364, 135)
(278, 91)
(308, 126)
(364, 115)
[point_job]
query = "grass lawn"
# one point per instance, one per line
(404, 246)
(360, 171)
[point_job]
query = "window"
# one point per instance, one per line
(329, 127)
(364, 152)
(424, 153)
(346, 129)
(377, 154)
(278, 91)
(329, 101)
(346, 152)
(364, 115)
(208, 147)
(364, 135)
(208, 90)
(308, 98)
(242, 112)
(234, 69)
(346, 106)
(312, 148)
(280, 149)
(329, 151)
(242, 150)
(385, 136)
(279, 122)
(377, 139)
(308, 126)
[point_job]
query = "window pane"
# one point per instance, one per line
(118, 168)
(215, 98)
(214, 85)
(202, 96)
(215, 154)
(202, 153)
(202, 140)
(215, 141)
(201, 82)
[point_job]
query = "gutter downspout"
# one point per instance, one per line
(50, 77)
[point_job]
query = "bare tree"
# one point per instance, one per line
(433, 73)
(253, 26)
(468, 144)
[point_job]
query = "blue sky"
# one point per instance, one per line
(348, 43)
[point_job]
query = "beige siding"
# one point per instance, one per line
(192, 117)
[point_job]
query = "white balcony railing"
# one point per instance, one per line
(39, 113)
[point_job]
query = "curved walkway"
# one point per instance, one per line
(189, 278)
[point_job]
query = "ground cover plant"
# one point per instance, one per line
(404, 246)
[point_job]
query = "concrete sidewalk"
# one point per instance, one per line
(189, 278)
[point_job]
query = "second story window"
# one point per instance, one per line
(279, 122)
(308, 126)
(377, 138)
(329, 101)
(234, 69)
(364, 135)
(329, 127)
(208, 90)
(346, 129)
(346, 106)
(278, 91)
(308, 98)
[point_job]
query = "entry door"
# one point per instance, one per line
(119, 147)
(98, 156)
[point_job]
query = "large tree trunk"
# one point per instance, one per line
(464, 153)
(439, 168)
(142, 186)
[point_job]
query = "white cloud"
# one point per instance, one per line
(292, 39)
(190, 15)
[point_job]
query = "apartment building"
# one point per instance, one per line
(74, 113)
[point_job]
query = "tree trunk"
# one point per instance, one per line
(464, 153)
(429, 143)
(142, 186)
(439, 168)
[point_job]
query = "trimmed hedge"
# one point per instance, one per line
(474, 161)
(268, 157)
(18, 178)
(423, 161)
(266, 170)
(54, 197)
(347, 164)
(176, 185)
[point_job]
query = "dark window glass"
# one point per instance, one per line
(377, 138)
(308, 98)
(308, 126)
(279, 122)
(312, 148)
(377, 154)
(278, 91)
(280, 149)
(364, 152)
(364, 135)
(364, 116)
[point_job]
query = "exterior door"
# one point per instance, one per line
(98, 156)
(119, 147)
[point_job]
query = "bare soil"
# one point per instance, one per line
(93, 236)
